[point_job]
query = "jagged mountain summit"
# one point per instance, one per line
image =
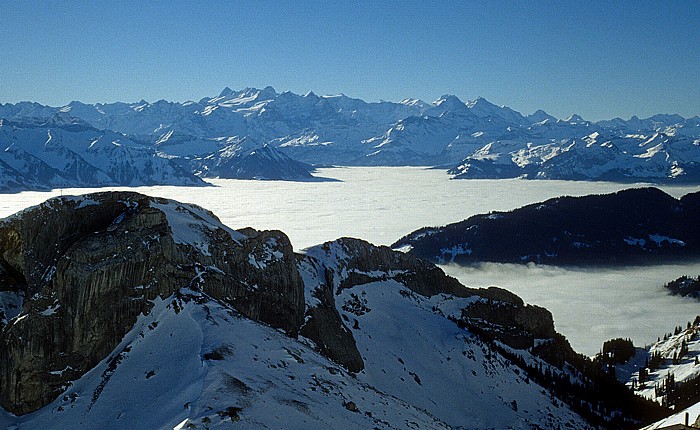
(475, 139)
(121, 311)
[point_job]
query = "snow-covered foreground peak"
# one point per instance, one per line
(143, 312)
(193, 361)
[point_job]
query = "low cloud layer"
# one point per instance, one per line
(593, 305)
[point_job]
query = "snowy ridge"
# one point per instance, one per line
(193, 225)
(271, 383)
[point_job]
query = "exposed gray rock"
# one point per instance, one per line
(89, 266)
(325, 327)
(516, 325)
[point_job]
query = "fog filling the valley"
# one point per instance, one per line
(381, 204)
(590, 306)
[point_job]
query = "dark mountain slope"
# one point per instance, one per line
(642, 225)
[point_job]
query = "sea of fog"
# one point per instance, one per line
(381, 204)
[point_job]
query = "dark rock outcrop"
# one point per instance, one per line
(685, 286)
(516, 325)
(89, 266)
(326, 328)
(641, 225)
(365, 263)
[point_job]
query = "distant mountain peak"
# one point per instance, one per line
(449, 98)
(448, 102)
(269, 89)
(226, 92)
(575, 118)
(540, 115)
(479, 101)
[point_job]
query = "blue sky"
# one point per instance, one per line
(598, 59)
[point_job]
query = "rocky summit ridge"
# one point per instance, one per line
(109, 293)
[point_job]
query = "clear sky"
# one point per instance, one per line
(599, 59)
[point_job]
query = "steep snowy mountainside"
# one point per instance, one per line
(108, 296)
(143, 289)
(495, 320)
(61, 153)
(437, 359)
(195, 362)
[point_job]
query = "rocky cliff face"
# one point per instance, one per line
(89, 266)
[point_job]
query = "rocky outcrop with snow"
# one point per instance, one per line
(641, 225)
(85, 268)
(154, 305)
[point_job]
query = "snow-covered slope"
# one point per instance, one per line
(65, 153)
(692, 413)
(673, 357)
(152, 314)
(417, 358)
(193, 361)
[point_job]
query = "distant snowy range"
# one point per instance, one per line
(263, 134)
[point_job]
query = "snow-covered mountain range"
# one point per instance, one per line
(474, 139)
(64, 152)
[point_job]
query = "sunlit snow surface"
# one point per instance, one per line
(381, 204)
